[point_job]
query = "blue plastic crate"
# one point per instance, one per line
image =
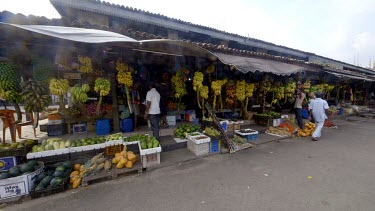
(305, 114)
(214, 146)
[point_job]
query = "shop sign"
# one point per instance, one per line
(72, 76)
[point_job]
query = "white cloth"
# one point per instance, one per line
(318, 130)
(310, 103)
(299, 101)
(154, 97)
(318, 107)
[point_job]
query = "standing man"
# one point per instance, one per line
(312, 98)
(299, 97)
(153, 109)
(319, 110)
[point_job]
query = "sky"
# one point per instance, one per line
(339, 29)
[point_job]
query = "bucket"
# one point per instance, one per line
(127, 125)
(103, 127)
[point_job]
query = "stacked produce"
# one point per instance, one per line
(178, 84)
(308, 130)
(17, 145)
(116, 136)
(278, 131)
(124, 159)
(35, 96)
(59, 87)
(238, 140)
(210, 131)
(58, 143)
(278, 92)
(124, 76)
(230, 92)
(53, 178)
(184, 129)
(136, 138)
(85, 65)
(102, 86)
(249, 91)
(19, 170)
(80, 92)
(149, 142)
(290, 88)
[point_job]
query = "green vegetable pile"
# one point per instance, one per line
(184, 129)
(17, 145)
(149, 142)
(136, 138)
(58, 143)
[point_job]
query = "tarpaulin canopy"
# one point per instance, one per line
(341, 75)
(163, 46)
(248, 64)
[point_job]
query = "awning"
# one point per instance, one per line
(164, 46)
(341, 75)
(248, 64)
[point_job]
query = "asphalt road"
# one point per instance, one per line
(336, 173)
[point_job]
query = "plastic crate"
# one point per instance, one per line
(305, 113)
(215, 146)
(112, 150)
(150, 159)
(56, 130)
(198, 149)
(249, 136)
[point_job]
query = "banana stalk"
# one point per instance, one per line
(199, 104)
(129, 99)
(61, 103)
(202, 106)
(214, 104)
(98, 106)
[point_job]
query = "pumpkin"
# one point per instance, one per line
(77, 166)
(76, 183)
(74, 173)
(119, 165)
(129, 164)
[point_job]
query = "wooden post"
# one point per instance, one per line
(115, 114)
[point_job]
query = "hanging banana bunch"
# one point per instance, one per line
(124, 76)
(80, 92)
(209, 71)
(85, 65)
(197, 85)
(103, 87)
(290, 88)
(203, 90)
(216, 87)
(59, 87)
(178, 84)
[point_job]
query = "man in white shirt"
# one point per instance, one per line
(312, 98)
(153, 109)
(319, 108)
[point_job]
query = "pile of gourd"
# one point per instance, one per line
(124, 159)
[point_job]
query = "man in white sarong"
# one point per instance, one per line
(318, 108)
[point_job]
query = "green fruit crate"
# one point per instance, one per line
(18, 151)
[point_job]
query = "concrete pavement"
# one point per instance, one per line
(336, 173)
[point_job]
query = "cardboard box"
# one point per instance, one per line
(18, 186)
(236, 126)
(171, 120)
(8, 162)
(190, 117)
(79, 128)
(230, 128)
(276, 122)
(55, 122)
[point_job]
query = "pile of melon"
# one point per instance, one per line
(308, 130)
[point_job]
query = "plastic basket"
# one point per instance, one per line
(56, 130)
(198, 149)
(249, 136)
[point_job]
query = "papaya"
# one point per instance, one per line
(77, 166)
(120, 165)
(76, 183)
(131, 156)
(123, 161)
(74, 178)
(129, 164)
(74, 173)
